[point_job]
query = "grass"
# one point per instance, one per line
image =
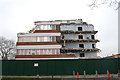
(10, 78)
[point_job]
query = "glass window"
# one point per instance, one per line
(53, 27)
(80, 37)
(50, 51)
(82, 54)
(92, 37)
(63, 37)
(79, 28)
(45, 39)
(93, 45)
(33, 52)
(81, 45)
(45, 27)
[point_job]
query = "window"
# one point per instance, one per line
(79, 28)
(82, 55)
(53, 27)
(46, 27)
(45, 39)
(47, 51)
(81, 45)
(92, 37)
(63, 37)
(93, 45)
(38, 39)
(29, 52)
(63, 45)
(50, 51)
(33, 52)
(19, 51)
(80, 37)
(53, 39)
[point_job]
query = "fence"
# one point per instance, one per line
(59, 67)
(90, 79)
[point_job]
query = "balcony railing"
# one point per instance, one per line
(80, 40)
(79, 49)
(77, 32)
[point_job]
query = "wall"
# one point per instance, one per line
(91, 54)
(75, 27)
(60, 67)
(87, 54)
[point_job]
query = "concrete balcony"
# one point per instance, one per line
(64, 50)
(78, 32)
(38, 34)
(80, 40)
(38, 45)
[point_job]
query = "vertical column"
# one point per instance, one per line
(64, 42)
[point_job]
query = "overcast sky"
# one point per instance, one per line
(20, 15)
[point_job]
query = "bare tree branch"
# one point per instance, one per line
(93, 4)
(7, 47)
(109, 3)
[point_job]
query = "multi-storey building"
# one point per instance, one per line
(59, 37)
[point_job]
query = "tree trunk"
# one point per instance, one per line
(5, 57)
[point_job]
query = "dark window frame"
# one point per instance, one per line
(92, 36)
(80, 28)
(81, 45)
(80, 36)
(82, 54)
(63, 37)
(93, 45)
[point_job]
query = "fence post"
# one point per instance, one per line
(84, 74)
(108, 73)
(96, 73)
(77, 76)
(73, 74)
(52, 77)
(118, 73)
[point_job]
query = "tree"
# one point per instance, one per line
(7, 47)
(96, 3)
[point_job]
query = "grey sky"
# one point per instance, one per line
(20, 15)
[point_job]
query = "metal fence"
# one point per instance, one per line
(90, 79)
(59, 67)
